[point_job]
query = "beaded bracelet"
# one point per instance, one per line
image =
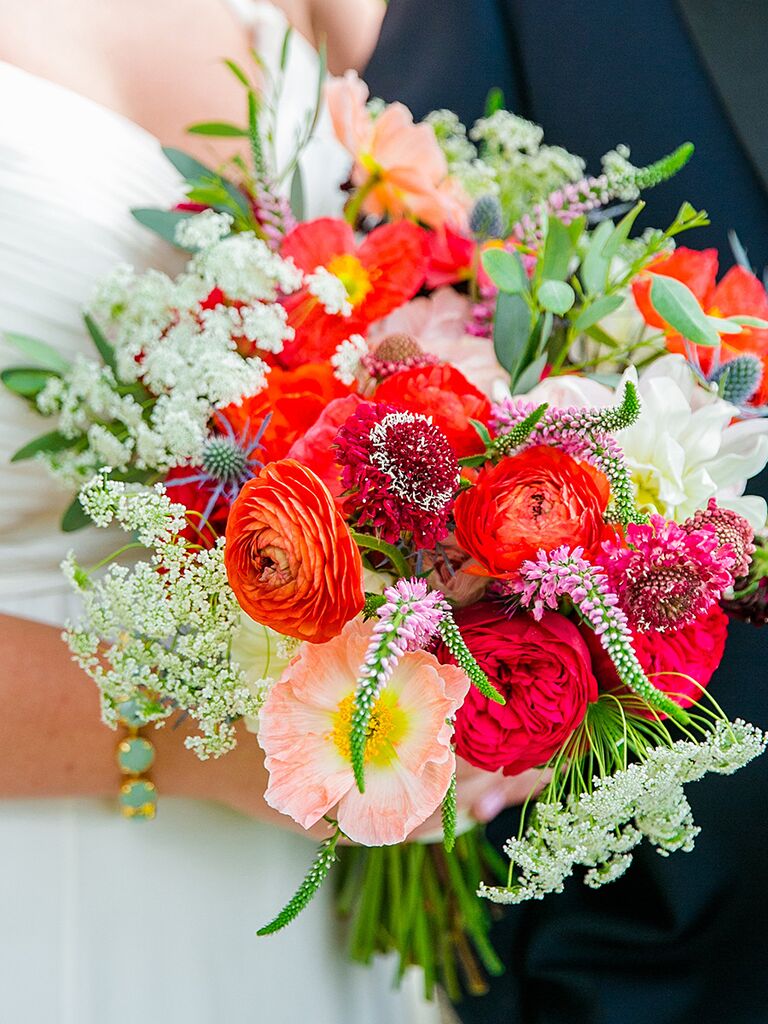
(135, 756)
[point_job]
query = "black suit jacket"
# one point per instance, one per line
(678, 940)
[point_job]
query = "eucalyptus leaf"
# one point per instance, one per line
(27, 381)
(55, 441)
(506, 271)
(511, 330)
(559, 248)
(530, 376)
(189, 168)
(677, 304)
(724, 325)
(105, 350)
(595, 312)
(163, 223)
(75, 518)
(749, 321)
(218, 130)
(621, 231)
(556, 296)
(595, 265)
(41, 352)
(297, 194)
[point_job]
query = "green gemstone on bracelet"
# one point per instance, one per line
(135, 755)
(129, 713)
(138, 799)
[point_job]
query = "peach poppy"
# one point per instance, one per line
(397, 162)
(380, 274)
(305, 732)
(291, 560)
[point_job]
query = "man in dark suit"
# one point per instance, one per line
(677, 940)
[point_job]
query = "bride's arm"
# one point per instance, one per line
(53, 743)
(349, 28)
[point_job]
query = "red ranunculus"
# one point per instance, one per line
(541, 498)
(379, 275)
(543, 670)
(738, 293)
(446, 395)
(294, 399)
(679, 663)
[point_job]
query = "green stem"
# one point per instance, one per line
(397, 559)
(355, 204)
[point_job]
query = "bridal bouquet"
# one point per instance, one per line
(453, 480)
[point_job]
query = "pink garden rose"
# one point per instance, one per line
(680, 663)
(544, 671)
(314, 448)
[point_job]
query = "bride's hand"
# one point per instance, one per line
(482, 795)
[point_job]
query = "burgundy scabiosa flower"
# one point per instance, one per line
(402, 469)
(666, 577)
(730, 528)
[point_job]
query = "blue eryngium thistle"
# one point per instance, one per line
(486, 219)
(227, 462)
(738, 379)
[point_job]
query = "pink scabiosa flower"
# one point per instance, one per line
(730, 528)
(403, 470)
(305, 731)
(666, 577)
(396, 352)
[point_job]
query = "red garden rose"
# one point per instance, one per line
(291, 560)
(680, 663)
(541, 498)
(446, 395)
(543, 670)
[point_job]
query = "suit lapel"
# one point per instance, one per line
(731, 37)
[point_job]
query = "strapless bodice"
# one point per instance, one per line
(70, 171)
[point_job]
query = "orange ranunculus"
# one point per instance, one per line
(398, 163)
(294, 398)
(541, 498)
(445, 394)
(738, 293)
(379, 275)
(291, 560)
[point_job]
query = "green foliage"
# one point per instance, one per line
(46, 356)
(218, 130)
(26, 381)
(511, 332)
(51, 442)
(105, 349)
(314, 878)
(506, 271)
(556, 297)
(448, 815)
(162, 222)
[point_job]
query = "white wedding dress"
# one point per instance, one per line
(106, 921)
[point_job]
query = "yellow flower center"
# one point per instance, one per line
(353, 275)
(386, 728)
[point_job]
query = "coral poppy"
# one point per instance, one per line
(291, 561)
(305, 728)
(398, 164)
(314, 448)
(539, 499)
(293, 400)
(446, 395)
(377, 276)
(738, 293)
